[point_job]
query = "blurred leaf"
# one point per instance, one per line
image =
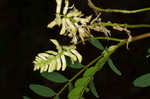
(89, 72)
(148, 50)
(70, 87)
(87, 90)
(25, 97)
(82, 98)
(55, 77)
(75, 93)
(57, 97)
(42, 90)
(113, 67)
(142, 81)
(81, 82)
(93, 89)
(97, 44)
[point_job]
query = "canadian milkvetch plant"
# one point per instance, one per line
(77, 26)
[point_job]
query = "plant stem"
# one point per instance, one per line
(116, 10)
(123, 25)
(102, 38)
(74, 77)
(123, 42)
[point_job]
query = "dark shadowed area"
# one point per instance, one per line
(24, 33)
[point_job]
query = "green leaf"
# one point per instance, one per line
(76, 65)
(148, 50)
(25, 97)
(90, 71)
(70, 87)
(97, 44)
(82, 82)
(87, 90)
(42, 90)
(55, 77)
(113, 67)
(142, 81)
(75, 93)
(93, 89)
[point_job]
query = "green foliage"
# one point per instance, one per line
(89, 72)
(142, 81)
(42, 90)
(76, 93)
(113, 67)
(75, 65)
(55, 77)
(81, 81)
(97, 44)
(93, 89)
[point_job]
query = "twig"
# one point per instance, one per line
(123, 25)
(116, 10)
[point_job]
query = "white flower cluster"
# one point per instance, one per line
(72, 22)
(51, 60)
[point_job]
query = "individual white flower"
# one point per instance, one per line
(63, 62)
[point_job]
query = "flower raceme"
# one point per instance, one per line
(72, 22)
(51, 60)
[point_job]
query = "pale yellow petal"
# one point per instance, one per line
(73, 57)
(64, 65)
(66, 6)
(52, 24)
(58, 60)
(79, 56)
(63, 29)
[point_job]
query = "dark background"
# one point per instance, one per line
(24, 33)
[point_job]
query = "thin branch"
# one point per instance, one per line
(102, 38)
(116, 10)
(74, 77)
(139, 37)
(123, 25)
